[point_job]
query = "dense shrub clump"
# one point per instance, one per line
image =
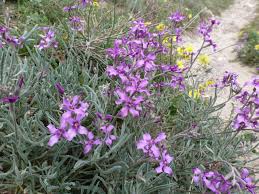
(249, 48)
(119, 113)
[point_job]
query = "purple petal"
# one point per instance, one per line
(88, 148)
(110, 128)
(124, 111)
(134, 112)
(70, 134)
(52, 129)
(90, 135)
(141, 144)
(53, 140)
(168, 170)
(147, 137)
(159, 169)
(10, 99)
(82, 130)
(160, 137)
(60, 88)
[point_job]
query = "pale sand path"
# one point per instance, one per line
(232, 20)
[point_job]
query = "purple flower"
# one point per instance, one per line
(155, 149)
(130, 104)
(60, 88)
(47, 40)
(148, 146)
(247, 182)
(205, 30)
(20, 82)
(166, 159)
(254, 82)
(109, 138)
(139, 29)
(213, 181)
(88, 144)
(137, 85)
(75, 105)
(10, 99)
(71, 122)
(229, 79)
(242, 119)
(56, 134)
(70, 8)
(147, 63)
(7, 38)
(76, 23)
(176, 17)
(197, 175)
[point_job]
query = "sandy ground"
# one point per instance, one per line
(232, 21)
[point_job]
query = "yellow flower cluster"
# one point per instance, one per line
(167, 41)
(179, 63)
(257, 47)
(208, 83)
(204, 59)
(194, 94)
(161, 27)
(185, 51)
(202, 87)
(147, 23)
(96, 3)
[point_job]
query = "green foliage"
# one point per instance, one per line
(196, 134)
(248, 53)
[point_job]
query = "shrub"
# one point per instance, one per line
(125, 117)
(249, 52)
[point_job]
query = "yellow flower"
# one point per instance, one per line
(180, 64)
(147, 23)
(189, 15)
(209, 83)
(204, 59)
(241, 33)
(96, 4)
(257, 47)
(180, 51)
(160, 27)
(189, 49)
(202, 87)
(167, 41)
(194, 94)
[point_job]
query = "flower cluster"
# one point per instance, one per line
(155, 149)
(76, 23)
(70, 122)
(75, 111)
(103, 123)
(81, 4)
(247, 115)
(47, 39)
(218, 183)
(7, 38)
(229, 79)
(135, 66)
(176, 17)
(205, 30)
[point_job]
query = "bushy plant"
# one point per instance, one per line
(249, 48)
(128, 117)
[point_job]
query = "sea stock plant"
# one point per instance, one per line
(129, 116)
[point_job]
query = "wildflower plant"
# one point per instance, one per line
(122, 120)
